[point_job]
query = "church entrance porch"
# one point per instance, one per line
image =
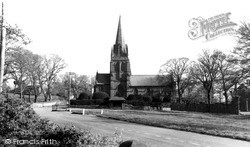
(116, 101)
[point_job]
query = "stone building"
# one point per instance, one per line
(119, 82)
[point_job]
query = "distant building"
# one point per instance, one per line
(119, 82)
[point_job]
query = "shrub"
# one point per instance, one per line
(87, 102)
(135, 97)
(105, 101)
(147, 98)
(137, 103)
(83, 96)
(156, 104)
(130, 97)
(100, 95)
(19, 121)
(156, 99)
(167, 99)
(72, 137)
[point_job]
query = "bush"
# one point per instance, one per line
(19, 121)
(87, 102)
(72, 137)
(138, 103)
(135, 97)
(100, 95)
(147, 98)
(156, 99)
(167, 99)
(130, 97)
(83, 96)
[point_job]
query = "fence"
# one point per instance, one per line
(59, 107)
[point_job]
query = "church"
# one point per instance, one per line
(120, 82)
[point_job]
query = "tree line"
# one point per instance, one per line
(27, 68)
(214, 71)
(39, 73)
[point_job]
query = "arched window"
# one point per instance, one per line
(117, 66)
(121, 90)
(124, 67)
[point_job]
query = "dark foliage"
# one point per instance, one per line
(156, 99)
(167, 99)
(139, 98)
(138, 103)
(100, 95)
(83, 96)
(19, 121)
(147, 98)
(87, 102)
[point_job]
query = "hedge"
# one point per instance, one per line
(100, 95)
(83, 96)
(133, 97)
(87, 102)
(143, 103)
(19, 121)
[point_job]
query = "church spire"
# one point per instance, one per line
(119, 37)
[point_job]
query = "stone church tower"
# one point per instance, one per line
(119, 66)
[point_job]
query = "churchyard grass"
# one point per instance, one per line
(232, 126)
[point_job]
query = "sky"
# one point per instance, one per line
(82, 32)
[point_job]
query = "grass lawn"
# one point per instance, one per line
(232, 126)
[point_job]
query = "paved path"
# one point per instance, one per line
(155, 137)
(245, 113)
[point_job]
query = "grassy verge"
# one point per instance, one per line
(232, 126)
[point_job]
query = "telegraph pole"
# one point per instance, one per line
(69, 90)
(2, 49)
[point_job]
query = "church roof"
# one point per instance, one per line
(102, 78)
(116, 98)
(145, 80)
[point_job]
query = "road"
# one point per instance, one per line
(153, 136)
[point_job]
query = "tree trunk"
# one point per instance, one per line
(29, 98)
(225, 90)
(21, 91)
(35, 92)
(179, 90)
(24, 98)
(246, 103)
(35, 98)
(49, 93)
(208, 100)
(226, 97)
(179, 95)
(44, 94)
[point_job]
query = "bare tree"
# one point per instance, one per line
(40, 72)
(19, 67)
(77, 83)
(179, 68)
(15, 40)
(80, 83)
(53, 64)
(206, 71)
(33, 67)
(230, 73)
(242, 50)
